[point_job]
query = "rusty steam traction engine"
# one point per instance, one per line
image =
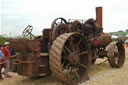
(66, 50)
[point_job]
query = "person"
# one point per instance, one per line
(10, 49)
(1, 62)
(7, 55)
(126, 43)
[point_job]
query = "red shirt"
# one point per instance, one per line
(6, 52)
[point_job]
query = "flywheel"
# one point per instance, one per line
(70, 58)
(60, 29)
(58, 21)
(76, 27)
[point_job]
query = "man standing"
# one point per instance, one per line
(10, 49)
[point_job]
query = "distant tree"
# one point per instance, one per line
(3, 39)
(120, 31)
(126, 30)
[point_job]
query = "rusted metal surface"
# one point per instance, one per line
(29, 62)
(103, 39)
(70, 58)
(24, 45)
(99, 16)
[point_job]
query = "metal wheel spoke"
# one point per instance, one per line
(30, 30)
(70, 72)
(67, 49)
(116, 60)
(116, 49)
(67, 66)
(77, 67)
(76, 73)
(63, 64)
(79, 42)
(64, 51)
(82, 53)
(83, 65)
(73, 47)
(55, 23)
(71, 42)
(116, 52)
(61, 21)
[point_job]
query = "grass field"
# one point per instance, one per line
(101, 74)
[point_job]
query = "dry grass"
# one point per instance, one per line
(101, 74)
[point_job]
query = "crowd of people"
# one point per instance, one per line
(5, 52)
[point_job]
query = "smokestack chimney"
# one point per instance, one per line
(99, 16)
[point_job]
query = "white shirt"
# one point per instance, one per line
(1, 55)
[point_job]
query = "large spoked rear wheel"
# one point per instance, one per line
(116, 54)
(70, 58)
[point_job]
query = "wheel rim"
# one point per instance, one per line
(116, 54)
(72, 64)
(120, 54)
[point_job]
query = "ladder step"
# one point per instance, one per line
(44, 54)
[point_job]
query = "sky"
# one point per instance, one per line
(15, 15)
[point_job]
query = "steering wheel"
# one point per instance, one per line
(27, 31)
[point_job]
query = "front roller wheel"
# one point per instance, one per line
(116, 54)
(70, 58)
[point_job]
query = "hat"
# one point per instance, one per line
(6, 43)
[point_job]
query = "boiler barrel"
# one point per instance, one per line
(101, 40)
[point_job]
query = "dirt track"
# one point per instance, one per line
(101, 74)
(105, 75)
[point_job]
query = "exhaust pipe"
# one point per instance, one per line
(99, 16)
